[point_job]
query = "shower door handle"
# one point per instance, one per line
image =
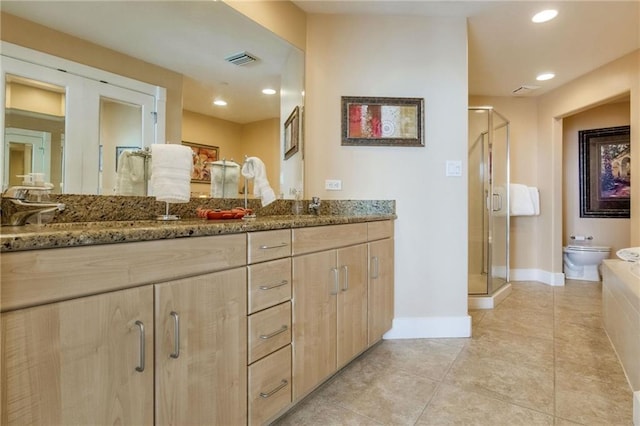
(499, 203)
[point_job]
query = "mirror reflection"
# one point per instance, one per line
(204, 34)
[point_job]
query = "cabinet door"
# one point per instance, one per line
(201, 350)
(75, 362)
(352, 303)
(380, 288)
(315, 289)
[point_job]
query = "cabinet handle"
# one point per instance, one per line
(140, 367)
(275, 333)
(336, 278)
(176, 335)
(282, 384)
(266, 247)
(269, 287)
(345, 287)
(376, 266)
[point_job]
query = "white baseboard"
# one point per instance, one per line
(545, 277)
(429, 327)
(489, 302)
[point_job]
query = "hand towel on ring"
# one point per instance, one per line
(253, 168)
(171, 172)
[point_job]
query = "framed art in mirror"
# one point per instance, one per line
(382, 121)
(292, 133)
(202, 155)
(605, 172)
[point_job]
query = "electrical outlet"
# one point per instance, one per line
(333, 185)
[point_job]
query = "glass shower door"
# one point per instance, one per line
(498, 202)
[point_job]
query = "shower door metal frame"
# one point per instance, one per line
(490, 200)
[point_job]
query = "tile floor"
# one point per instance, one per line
(541, 357)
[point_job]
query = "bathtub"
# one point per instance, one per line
(621, 314)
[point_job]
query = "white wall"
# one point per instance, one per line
(406, 57)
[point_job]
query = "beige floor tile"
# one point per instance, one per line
(476, 317)
(316, 411)
(512, 348)
(526, 322)
(427, 358)
(495, 376)
(478, 409)
(387, 394)
(592, 402)
(563, 422)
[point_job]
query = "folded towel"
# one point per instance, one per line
(171, 172)
(523, 200)
(253, 168)
(224, 179)
(131, 174)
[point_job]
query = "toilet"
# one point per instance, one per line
(581, 262)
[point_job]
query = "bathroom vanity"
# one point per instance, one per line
(231, 325)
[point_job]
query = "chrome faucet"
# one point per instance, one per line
(19, 196)
(314, 205)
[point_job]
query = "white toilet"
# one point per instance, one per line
(581, 262)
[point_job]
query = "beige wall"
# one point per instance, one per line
(34, 99)
(258, 139)
(34, 36)
(351, 55)
(614, 233)
(283, 18)
(608, 82)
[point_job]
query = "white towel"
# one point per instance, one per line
(131, 174)
(171, 172)
(253, 168)
(224, 179)
(523, 200)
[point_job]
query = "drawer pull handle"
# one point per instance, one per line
(269, 287)
(176, 335)
(275, 333)
(282, 384)
(140, 367)
(266, 247)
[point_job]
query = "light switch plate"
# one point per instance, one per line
(333, 185)
(454, 168)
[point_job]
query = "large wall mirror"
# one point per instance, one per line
(191, 40)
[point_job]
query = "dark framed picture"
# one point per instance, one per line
(292, 133)
(202, 155)
(605, 172)
(382, 121)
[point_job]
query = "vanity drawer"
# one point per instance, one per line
(268, 245)
(269, 386)
(318, 238)
(269, 330)
(269, 284)
(379, 230)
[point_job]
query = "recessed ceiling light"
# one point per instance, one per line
(544, 16)
(220, 102)
(545, 76)
(269, 91)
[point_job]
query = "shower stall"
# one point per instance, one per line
(488, 203)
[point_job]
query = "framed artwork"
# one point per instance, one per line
(382, 121)
(605, 172)
(121, 149)
(202, 155)
(292, 133)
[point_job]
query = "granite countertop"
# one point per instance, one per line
(56, 235)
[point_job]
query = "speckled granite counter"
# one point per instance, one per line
(92, 232)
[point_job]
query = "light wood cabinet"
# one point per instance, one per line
(381, 298)
(330, 302)
(80, 361)
(201, 336)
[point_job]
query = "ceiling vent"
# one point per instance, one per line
(242, 58)
(524, 90)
